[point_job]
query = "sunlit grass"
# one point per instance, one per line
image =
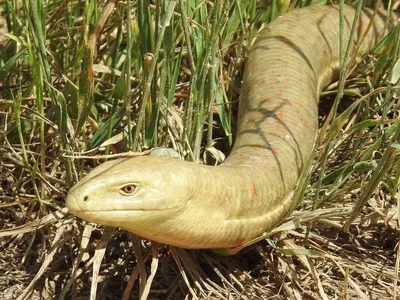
(99, 78)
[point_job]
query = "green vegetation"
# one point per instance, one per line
(80, 80)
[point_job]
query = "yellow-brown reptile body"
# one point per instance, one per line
(196, 206)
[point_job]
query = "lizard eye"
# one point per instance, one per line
(128, 189)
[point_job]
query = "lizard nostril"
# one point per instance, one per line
(86, 198)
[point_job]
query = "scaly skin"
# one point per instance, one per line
(196, 206)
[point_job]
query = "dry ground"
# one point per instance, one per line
(46, 253)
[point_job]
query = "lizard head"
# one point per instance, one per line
(139, 194)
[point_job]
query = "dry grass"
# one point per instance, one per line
(64, 87)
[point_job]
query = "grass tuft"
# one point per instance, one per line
(83, 81)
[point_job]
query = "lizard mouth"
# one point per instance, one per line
(101, 211)
(78, 207)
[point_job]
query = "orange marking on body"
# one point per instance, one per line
(254, 188)
(250, 121)
(266, 100)
(280, 114)
(275, 150)
(360, 26)
(254, 83)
